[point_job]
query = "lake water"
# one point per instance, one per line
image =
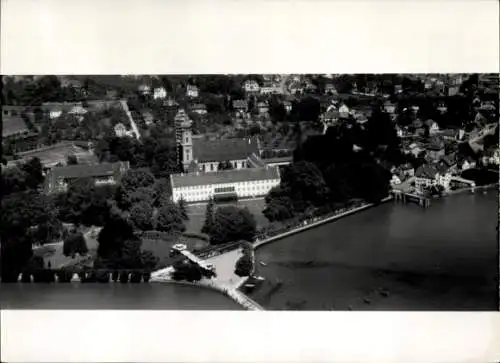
(390, 257)
(112, 296)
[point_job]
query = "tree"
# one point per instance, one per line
(75, 244)
(231, 223)
(169, 219)
(183, 209)
(137, 178)
(186, 270)
(113, 235)
(244, 266)
(72, 160)
(141, 216)
(209, 217)
(34, 173)
(279, 205)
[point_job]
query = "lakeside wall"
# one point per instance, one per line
(319, 222)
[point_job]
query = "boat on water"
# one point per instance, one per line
(262, 263)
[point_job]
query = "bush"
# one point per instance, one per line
(201, 236)
(64, 275)
(25, 277)
(124, 277)
(244, 266)
(135, 277)
(146, 276)
(102, 276)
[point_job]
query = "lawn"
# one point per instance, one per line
(197, 212)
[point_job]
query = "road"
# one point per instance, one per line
(131, 119)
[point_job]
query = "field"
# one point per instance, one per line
(197, 212)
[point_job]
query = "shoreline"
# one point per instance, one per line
(470, 189)
(235, 293)
(319, 222)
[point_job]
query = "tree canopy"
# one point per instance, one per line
(231, 223)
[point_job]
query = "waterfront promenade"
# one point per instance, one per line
(228, 282)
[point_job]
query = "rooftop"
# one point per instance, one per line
(87, 171)
(223, 150)
(13, 125)
(225, 176)
(426, 171)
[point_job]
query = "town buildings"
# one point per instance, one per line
(192, 91)
(431, 175)
(199, 187)
(159, 93)
(58, 179)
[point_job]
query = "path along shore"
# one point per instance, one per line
(229, 283)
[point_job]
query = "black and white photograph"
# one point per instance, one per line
(316, 192)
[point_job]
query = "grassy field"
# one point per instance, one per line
(197, 212)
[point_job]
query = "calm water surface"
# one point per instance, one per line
(390, 257)
(112, 296)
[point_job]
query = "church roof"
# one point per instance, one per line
(223, 150)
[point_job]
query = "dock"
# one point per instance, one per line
(406, 197)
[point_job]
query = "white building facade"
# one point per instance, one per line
(244, 184)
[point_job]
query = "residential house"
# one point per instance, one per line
(170, 104)
(436, 148)
(429, 175)
(240, 106)
(199, 108)
(449, 163)
(344, 111)
(330, 89)
(432, 126)
(390, 108)
(159, 93)
(415, 149)
(468, 163)
(495, 158)
(144, 89)
(310, 87)
(263, 107)
(288, 106)
(453, 90)
(56, 109)
(148, 118)
(192, 91)
(59, 178)
(442, 108)
(121, 130)
(251, 86)
(398, 88)
(295, 87)
(399, 131)
(331, 116)
(407, 170)
(452, 134)
(269, 88)
(395, 180)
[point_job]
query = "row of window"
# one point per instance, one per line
(244, 184)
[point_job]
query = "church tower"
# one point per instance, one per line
(186, 145)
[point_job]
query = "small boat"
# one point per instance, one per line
(263, 263)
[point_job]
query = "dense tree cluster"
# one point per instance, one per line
(228, 224)
(28, 216)
(349, 161)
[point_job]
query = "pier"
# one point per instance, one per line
(470, 183)
(406, 197)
